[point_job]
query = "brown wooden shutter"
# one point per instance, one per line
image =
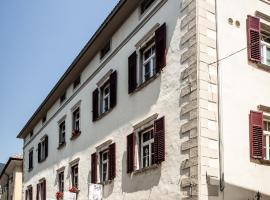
(94, 168)
(26, 194)
(31, 193)
(37, 197)
(160, 41)
(132, 72)
(159, 140)
(46, 146)
(39, 152)
(95, 104)
(113, 89)
(130, 152)
(254, 40)
(256, 135)
(112, 161)
(44, 189)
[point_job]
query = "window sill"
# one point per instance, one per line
(29, 170)
(146, 169)
(144, 84)
(75, 135)
(108, 182)
(103, 114)
(61, 146)
(261, 162)
(263, 67)
(42, 160)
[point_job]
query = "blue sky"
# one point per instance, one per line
(38, 41)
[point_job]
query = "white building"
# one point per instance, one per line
(156, 106)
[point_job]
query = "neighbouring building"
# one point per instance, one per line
(168, 100)
(11, 179)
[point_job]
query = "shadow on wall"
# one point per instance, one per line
(140, 181)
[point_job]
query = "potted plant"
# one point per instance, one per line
(74, 190)
(59, 195)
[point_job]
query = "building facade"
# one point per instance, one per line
(11, 179)
(156, 107)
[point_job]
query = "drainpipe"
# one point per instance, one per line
(220, 111)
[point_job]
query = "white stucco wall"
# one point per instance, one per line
(244, 87)
(161, 96)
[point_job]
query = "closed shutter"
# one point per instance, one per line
(132, 72)
(39, 152)
(159, 140)
(94, 168)
(130, 152)
(160, 41)
(95, 105)
(46, 146)
(256, 135)
(44, 189)
(37, 197)
(254, 40)
(113, 89)
(112, 161)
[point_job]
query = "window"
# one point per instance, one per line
(104, 164)
(265, 41)
(145, 5)
(62, 133)
(43, 149)
(150, 146)
(31, 133)
(147, 148)
(29, 193)
(105, 50)
(77, 82)
(266, 142)
(44, 119)
(75, 176)
(76, 123)
(30, 161)
(105, 96)
(41, 190)
(152, 57)
(61, 183)
(63, 97)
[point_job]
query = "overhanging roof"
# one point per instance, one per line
(16, 160)
(111, 24)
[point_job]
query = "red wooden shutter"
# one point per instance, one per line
(44, 189)
(46, 146)
(256, 135)
(95, 104)
(112, 161)
(94, 168)
(113, 89)
(132, 72)
(159, 140)
(160, 40)
(37, 197)
(130, 152)
(254, 40)
(39, 152)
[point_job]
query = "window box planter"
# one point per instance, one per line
(75, 134)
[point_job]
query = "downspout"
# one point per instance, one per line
(220, 111)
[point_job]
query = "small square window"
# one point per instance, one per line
(61, 182)
(145, 5)
(105, 50)
(75, 176)
(77, 82)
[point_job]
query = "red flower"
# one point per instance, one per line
(59, 195)
(73, 190)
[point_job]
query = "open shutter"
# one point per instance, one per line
(256, 135)
(26, 195)
(39, 152)
(132, 72)
(112, 161)
(37, 197)
(130, 152)
(46, 146)
(113, 89)
(44, 189)
(254, 40)
(95, 105)
(160, 40)
(159, 140)
(94, 168)
(31, 193)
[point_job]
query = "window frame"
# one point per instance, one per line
(41, 190)
(61, 181)
(62, 133)
(76, 119)
(42, 149)
(151, 45)
(104, 97)
(31, 160)
(77, 82)
(266, 134)
(75, 175)
(105, 50)
(102, 162)
(63, 97)
(145, 9)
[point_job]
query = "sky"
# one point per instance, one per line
(38, 41)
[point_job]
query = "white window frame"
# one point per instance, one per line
(151, 59)
(62, 132)
(266, 137)
(105, 97)
(76, 119)
(265, 59)
(74, 175)
(149, 143)
(61, 181)
(41, 190)
(102, 163)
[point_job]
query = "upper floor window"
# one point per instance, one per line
(43, 149)
(147, 148)
(61, 181)
(44, 119)
(152, 59)
(62, 133)
(63, 97)
(104, 97)
(76, 129)
(31, 133)
(266, 142)
(75, 176)
(265, 38)
(30, 160)
(145, 5)
(41, 190)
(77, 82)
(105, 50)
